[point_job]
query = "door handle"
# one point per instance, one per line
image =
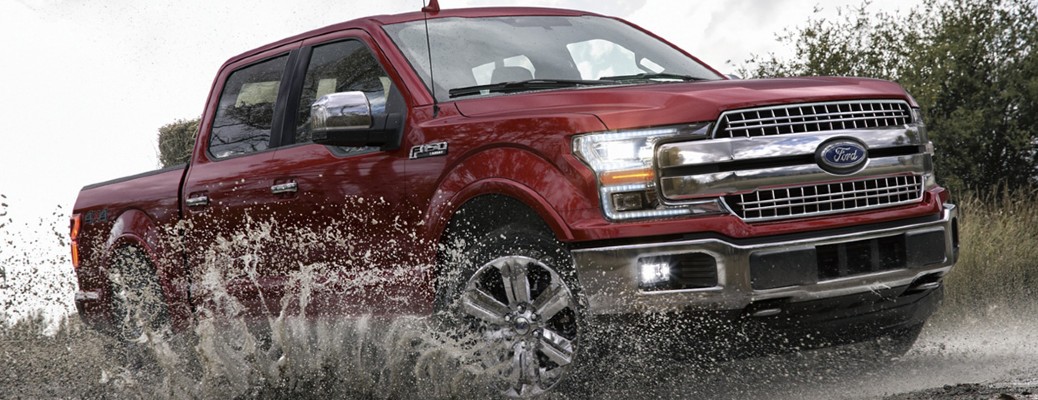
(197, 201)
(287, 187)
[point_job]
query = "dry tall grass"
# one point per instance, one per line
(998, 258)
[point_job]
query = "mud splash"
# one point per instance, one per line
(286, 352)
(231, 351)
(35, 271)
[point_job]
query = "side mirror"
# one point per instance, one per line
(341, 111)
(341, 119)
(345, 119)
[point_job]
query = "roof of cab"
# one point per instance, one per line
(374, 22)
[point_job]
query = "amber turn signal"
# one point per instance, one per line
(74, 235)
(626, 177)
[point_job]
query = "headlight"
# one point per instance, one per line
(917, 120)
(929, 176)
(626, 156)
(917, 116)
(623, 163)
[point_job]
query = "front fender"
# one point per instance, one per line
(514, 172)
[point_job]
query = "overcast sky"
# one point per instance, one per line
(86, 84)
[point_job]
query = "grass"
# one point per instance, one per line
(65, 364)
(998, 258)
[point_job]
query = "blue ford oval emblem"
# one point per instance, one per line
(842, 156)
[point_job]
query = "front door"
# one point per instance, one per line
(352, 237)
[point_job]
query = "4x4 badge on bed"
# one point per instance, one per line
(842, 156)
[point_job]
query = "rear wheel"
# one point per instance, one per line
(515, 295)
(138, 304)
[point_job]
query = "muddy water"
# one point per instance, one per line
(404, 358)
(283, 355)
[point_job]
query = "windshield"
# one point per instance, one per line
(470, 52)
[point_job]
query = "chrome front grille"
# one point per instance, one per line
(814, 117)
(826, 198)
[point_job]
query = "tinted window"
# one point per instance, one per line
(246, 111)
(342, 67)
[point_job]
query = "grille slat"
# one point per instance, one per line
(798, 118)
(825, 117)
(879, 197)
(906, 189)
(829, 198)
(783, 124)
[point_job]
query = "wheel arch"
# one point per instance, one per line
(493, 203)
(136, 229)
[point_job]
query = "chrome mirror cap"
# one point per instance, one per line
(341, 111)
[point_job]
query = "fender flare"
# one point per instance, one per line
(468, 180)
(136, 228)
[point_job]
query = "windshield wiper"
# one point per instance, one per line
(649, 77)
(523, 86)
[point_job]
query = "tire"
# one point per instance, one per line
(513, 292)
(138, 303)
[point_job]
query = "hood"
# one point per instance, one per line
(659, 104)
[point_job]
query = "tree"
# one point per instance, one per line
(176, 140)
(970, 64)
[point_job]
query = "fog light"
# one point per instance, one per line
(628, 201)
(654, 274)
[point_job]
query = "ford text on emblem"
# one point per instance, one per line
(842, 156)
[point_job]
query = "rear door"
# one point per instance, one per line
(227, 190)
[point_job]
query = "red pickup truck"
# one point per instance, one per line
(533, 173)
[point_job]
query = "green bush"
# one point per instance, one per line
(970, 64)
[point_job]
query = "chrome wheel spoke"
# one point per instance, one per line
(479, 304)
(515, 372)
(517, 286)
(524, 367)
(557, 348)
(550, 375)
(553, 300)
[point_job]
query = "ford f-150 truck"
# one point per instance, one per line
(532, 172)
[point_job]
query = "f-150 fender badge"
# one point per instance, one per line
(429, 150)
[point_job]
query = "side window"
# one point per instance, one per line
(246, 111)
(342, 67)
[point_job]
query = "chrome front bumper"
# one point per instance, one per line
(610, 276)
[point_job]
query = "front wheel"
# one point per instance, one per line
(515, 295)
